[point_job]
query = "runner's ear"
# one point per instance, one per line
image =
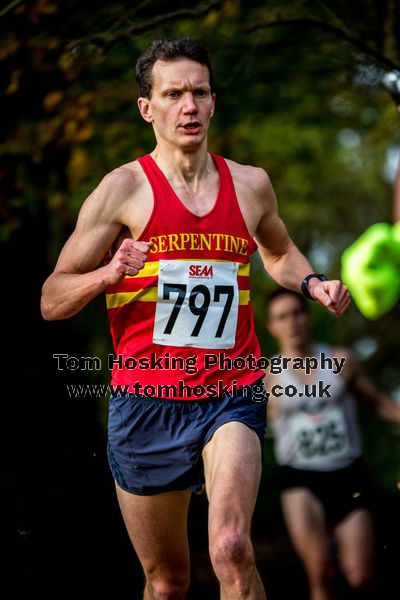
(144, 109)
(213, 108)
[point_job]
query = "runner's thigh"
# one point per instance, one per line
(306, 522)
(355, 538)
(232, 468)
(157, 527)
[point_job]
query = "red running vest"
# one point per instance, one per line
(183, 327)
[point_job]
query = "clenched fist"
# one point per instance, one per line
(128, 260)
(333, 295)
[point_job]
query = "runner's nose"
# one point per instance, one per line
(190, 105)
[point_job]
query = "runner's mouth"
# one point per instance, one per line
(191, 126)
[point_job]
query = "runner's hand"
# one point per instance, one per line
(332, 295)
(129, 259)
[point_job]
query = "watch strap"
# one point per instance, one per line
(304, 283)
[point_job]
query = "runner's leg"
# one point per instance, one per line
(157, 527)
(355, 538)
(305, 519)
(232, 464)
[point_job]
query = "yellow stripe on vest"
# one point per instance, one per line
(150, 269)
(244, 296)
(146, 295)
(150, 295)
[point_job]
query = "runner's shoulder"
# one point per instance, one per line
(351, 364)
(122, 181)
(253, 182)
(255, 177)
(270, 379)
(116, 187)
(341, 352)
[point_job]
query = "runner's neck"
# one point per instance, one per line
(184, 167)
(307, 349)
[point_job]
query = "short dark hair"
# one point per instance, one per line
(279, 292)
(185, 47)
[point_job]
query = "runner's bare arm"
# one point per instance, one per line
(76, 279)
(368, 394)
(273, 404)
(281, 257)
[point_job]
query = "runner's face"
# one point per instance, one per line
(181, 103)
(288, 321)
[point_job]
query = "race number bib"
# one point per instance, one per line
(197, 304)
(322, 435)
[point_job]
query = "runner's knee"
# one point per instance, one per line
(168, 586)
(320, 572)
(167, 583)
(233, 548)
(232, 557)
(358, 577)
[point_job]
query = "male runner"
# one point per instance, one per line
(324, 483)
(181, 224)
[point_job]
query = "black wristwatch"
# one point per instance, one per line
(304, 283)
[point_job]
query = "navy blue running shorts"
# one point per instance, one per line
(154, 445)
